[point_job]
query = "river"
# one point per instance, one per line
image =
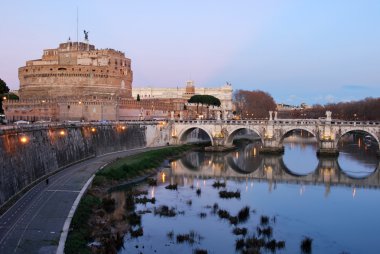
(333, 201)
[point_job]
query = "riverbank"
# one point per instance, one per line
(95, 221)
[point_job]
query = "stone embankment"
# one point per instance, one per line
(29, 155)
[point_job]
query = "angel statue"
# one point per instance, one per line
(85, 35)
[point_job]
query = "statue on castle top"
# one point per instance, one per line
(85, 35)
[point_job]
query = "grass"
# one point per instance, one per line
(134, 165)
(79, 235)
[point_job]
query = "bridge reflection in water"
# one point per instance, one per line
(246, 164)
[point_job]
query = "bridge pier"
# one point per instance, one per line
(327, 148)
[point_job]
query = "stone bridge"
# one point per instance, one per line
(272, 132)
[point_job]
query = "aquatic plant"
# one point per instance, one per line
(243, 214)
(134, 219)
(240, 231)
(200, 251)
(172, 187)
(136, 233)
(264, 220)
(202, 215)
(152, 181)
(306, 245)
(215, 208)
(267, 231)
(191, 237)
(280, 245)
(145, 200)
(233, 220)
(239, 244)
(229, 194)
(165, 211)
(129, 202)
(219, 184)
(223, 214)
(170, 235)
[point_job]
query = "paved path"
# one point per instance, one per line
(34, 223)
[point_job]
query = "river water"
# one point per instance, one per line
(335, 202)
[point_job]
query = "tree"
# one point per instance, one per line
(195, 99)
(208, 100)
(4, 89)
(138, 97)
(253, 104)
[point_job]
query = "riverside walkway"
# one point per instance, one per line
(34, 223)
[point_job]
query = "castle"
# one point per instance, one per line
(77, 82)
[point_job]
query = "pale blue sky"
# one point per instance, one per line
(298, 51)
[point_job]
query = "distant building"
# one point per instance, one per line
(223, 93)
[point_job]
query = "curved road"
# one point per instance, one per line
(34, 223)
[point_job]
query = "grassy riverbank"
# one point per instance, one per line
(96, 203)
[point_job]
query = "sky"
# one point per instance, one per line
(315, 52)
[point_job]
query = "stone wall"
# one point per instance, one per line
(48, 149)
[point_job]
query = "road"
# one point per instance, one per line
(34, 223)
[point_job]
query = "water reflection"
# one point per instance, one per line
(344, 222)
(350, 169)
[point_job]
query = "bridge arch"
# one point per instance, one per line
(310, 130)
(186, 131)
(344, 132)
(233, 133)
